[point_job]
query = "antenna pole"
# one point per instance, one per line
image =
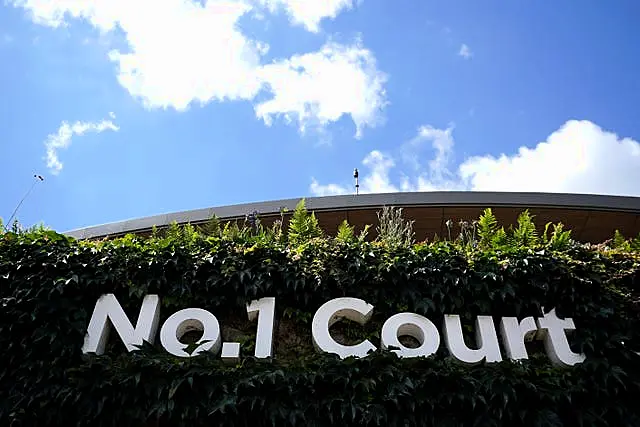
(355, 176)
(38, 178)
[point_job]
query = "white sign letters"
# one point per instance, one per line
(264, 310)
(332, 311)
(187, 320)
(514, 333)
(107, 308)
(486, 340)
(412, 325)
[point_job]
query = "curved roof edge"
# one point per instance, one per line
(334, 203)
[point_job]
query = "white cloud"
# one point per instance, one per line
(188, 53)
(309, 13)
(465, 51)
(436, 175)
(318, 189)
(62, 139)
(184, 52)
(319, 88)
(580, 157)
(441, 141)
(379, 166)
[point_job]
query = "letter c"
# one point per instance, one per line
(331, 312)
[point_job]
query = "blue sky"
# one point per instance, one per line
(174, 105)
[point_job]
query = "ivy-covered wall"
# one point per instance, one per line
(49, 285)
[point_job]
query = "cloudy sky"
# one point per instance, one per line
(130, 108)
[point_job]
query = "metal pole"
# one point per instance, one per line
(355, 175)
(38, 178)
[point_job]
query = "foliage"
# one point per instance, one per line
(17, 228)
(364, 233)
(392, 228)
(276, 228)
(212, 227)
(345, 232)
(619, 242)
(233, 232)
(487, 234)
(560, 239)
(467, 237)
(186, 234)
(487, 228)
(501, 239)
(525, 233)
(49, 284)
(303, 226)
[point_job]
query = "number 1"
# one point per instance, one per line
(264, 310)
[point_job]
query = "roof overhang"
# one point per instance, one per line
(429, 209)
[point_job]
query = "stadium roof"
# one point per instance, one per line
(592, 218)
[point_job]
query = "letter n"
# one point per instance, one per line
(108, 309)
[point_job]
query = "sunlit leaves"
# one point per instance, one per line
(49, 284)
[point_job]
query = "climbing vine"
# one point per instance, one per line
(49, 284)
